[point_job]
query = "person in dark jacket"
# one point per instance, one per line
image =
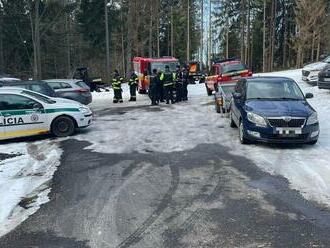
(168, 85)
(178, 84)
(160, 88)
(185, 80)
(133, 84)
(153, 88)
(116, 86)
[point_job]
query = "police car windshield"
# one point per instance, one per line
(160, 66)
(39, 97)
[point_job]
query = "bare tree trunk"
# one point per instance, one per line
(299, 55)
(202, 35)
(158, 39)
(227, 37)
(35, 28)
(318, 47)
(138, 21)
(2, 62)
(107, 41)
(172, 32)
(251, 51)
(313, 46)
(130, 27)
(68, 41)
(188, 31)
(264, 39)
(242, 13)
(122, 45)
(168, 42)
(285, 35)
(273, 27)
(248, 42)
(150, 30)
(209, 47)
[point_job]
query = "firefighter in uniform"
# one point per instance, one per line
(154, 86)
(178, 84)
(116, 86)
(160, 87)
(185, 81)
(168, 81)
(133, 84)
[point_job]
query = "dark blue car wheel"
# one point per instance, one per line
(241, 131)
(232, 123)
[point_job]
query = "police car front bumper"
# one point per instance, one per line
(85, 120)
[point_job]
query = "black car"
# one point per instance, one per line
(324, 79)
(37, 86)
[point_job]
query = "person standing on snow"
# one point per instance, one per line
(168, 85)
(116, 86)
(178, 84)
(133, 84)
(185, 80)
(153, 88)
(160, 87)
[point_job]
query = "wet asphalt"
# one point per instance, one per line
(204, 197)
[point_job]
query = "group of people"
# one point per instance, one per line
(167, 86)
(117, 81)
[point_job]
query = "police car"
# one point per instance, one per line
(27, 113)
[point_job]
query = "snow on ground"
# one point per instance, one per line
(24, 180)
(183, 126)
(166, 129)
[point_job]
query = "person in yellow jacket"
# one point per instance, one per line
(168, 82)
(133, 84)
(116, 86)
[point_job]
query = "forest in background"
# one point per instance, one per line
(49, 38)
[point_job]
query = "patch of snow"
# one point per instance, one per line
(183, 126)
(26, 176)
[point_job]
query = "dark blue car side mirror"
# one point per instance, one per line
(237, 95)
(309, 95)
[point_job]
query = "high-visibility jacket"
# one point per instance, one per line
(134, 80)
(168, 78)
(116, 83)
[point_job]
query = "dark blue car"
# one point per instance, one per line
(274, 110)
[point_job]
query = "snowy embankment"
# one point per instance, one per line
(184, 126)
(26, 170)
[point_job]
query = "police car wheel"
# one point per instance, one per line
(63, 126)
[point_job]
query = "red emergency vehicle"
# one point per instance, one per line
(225, 71)
(143, 68)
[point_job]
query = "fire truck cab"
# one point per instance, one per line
(225, 71)
(143, 67)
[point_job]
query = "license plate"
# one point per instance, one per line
(288, 131)
(327, 79)
(236, 77)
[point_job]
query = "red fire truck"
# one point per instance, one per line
(225, 71)
(143, 68)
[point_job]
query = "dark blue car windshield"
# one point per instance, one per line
(275, 90)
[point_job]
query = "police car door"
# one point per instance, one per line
(23, 116)
(2, 127)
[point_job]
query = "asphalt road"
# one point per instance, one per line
(203, 197)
